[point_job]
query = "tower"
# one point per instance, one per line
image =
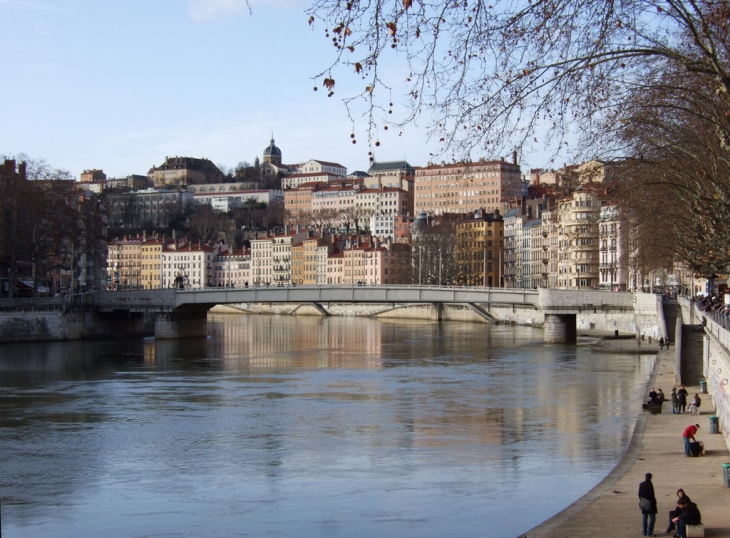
(272, 154)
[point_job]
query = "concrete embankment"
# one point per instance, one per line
(611, 508)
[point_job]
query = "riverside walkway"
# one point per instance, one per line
(611, 509)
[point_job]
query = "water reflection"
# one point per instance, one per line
(319, 427)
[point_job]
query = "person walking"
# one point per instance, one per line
(689, 434)
(682, 395)
(675, 401)
(647, 503)
(661, 343)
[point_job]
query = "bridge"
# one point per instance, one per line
(173, 313)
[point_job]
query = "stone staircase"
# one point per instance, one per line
(692, 342)
(672, 311)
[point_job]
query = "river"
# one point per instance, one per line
(309, 427)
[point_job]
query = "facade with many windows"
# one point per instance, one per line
(466, 187)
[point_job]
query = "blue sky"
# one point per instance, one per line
(120, 84)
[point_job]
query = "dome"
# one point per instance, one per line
(272, 150)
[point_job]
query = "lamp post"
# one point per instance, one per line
(420, 266)
(439, 268)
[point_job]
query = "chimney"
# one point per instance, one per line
(144, 236)
(514, 157)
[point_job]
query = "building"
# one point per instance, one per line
(293, 181)
(467, 187)
(228, 200)
(578, 221)
(92, 175)
(393, 174)
(124, 264)
(479, 249)
(183, 171)
(151, 263)
(298, 200)
(336, 200)
(147, 208)
(188, 265)
(612, 270)
(231, 269)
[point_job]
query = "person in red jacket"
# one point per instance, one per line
(689, 434)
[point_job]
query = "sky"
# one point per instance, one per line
(119, 85)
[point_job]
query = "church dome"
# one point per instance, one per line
(272, 150)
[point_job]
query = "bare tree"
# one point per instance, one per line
(206, 222)
(493, 74)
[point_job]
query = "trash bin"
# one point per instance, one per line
(714, 424)
(726, 474)
(703, 387)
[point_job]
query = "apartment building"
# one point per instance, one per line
(479, 249)
(124, 264)
(298, 200)
(578, 219)
(189, 265)
(335, 199)
(612, 271)
(231, 269)
(467, 187)
(151, 270)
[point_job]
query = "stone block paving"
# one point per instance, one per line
(611, 509)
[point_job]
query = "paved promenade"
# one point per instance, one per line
(611, 509)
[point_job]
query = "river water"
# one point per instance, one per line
(283, 426)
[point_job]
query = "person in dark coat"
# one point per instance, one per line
(661, 343)
(646, 491)
(677, 510)
(690, 516)
(675, 402)
(682, 395)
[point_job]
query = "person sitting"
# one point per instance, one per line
(690, 516)
(701, 326)
(660, 396)
(652, 396)
(677, 510)
(694, 406)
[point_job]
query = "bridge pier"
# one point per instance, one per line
(437, 311)
(560, 328)
(181, 324)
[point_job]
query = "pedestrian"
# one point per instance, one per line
(689, 433)
(660, 396)
(690, 516)
(661, 343)
(682, 395)
(675, 401)
(666, 342)
(677, 510)
(647, 503)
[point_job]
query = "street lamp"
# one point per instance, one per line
(439, 268)
(420, 266)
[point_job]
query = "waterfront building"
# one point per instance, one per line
(188, 265)
(151, 269)
(231, 269)
(578, 219)
(315, 251)
(550, 230)
(612, 268)
(393, 174)
(467, 187)
(124, 263)
(261, 261)
(479, 249)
